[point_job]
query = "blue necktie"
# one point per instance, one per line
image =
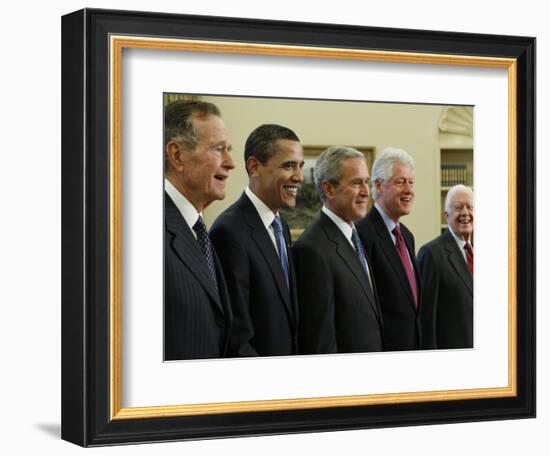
(361, 254)
(206, 247)
(281, 246)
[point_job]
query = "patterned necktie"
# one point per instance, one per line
(361, 254)
(281, 246)
(469, 256)
(405, 260)
(206, 248)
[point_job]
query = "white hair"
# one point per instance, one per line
(382, 168)
(452, 192)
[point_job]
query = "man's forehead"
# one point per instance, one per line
(400, 169)
(462, 196)
(287, 150)
(356, 166)
(202, 120)
(287, 144)
(210, 126)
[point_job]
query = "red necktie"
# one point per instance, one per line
(405, 260)
(469, 256)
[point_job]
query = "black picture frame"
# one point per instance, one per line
(87, 384)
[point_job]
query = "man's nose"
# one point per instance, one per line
(298, 174)
(228, 160)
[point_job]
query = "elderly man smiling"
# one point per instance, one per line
(197, 315)
(446, 270)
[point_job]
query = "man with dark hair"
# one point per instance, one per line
(390, 248)
(253, 243)
(197, 313)
(339, 311)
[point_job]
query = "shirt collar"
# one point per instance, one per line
(345, 227)
(187, 210)
(266, 215)
(390, 224)
(459, 239)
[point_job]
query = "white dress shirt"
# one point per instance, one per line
(187, 210)
(266, 215)
(346, 229)
(461, 243)
(390, 225)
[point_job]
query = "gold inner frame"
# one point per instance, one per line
(117, 45)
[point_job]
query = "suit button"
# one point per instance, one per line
(220, 322)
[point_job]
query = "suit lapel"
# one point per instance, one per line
(456, 260)
(187, 249)
(390, 252)
(265, 246)
(410, 248)
(373, 284)
(349, 257)
(224, 299)
(292, 272)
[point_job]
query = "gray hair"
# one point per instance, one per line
(452, 192)
(382, 168)
(328, 166)
(178, 122)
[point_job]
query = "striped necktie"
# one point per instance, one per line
(206, 247)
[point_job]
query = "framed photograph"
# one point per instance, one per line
(118, 67)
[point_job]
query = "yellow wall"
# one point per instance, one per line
(410, 127)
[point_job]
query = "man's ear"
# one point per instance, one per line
(252, 165)
(378, 186)
(174, 155)
(328, 189)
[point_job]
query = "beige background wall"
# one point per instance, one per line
(411, 127)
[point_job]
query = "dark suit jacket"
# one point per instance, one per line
(338, 310)
(402, 326)
(264, 309)
(447, 295)
(197, 317)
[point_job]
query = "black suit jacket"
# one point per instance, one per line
(264, 309)
(197, 317)
(339, 312)
(447, 294)
(402, 325)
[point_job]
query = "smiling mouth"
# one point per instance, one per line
(292, 190)
(406, 200)
(220, 177)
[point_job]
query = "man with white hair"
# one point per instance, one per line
(446, 273)
(390, 247)
(339, 311)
